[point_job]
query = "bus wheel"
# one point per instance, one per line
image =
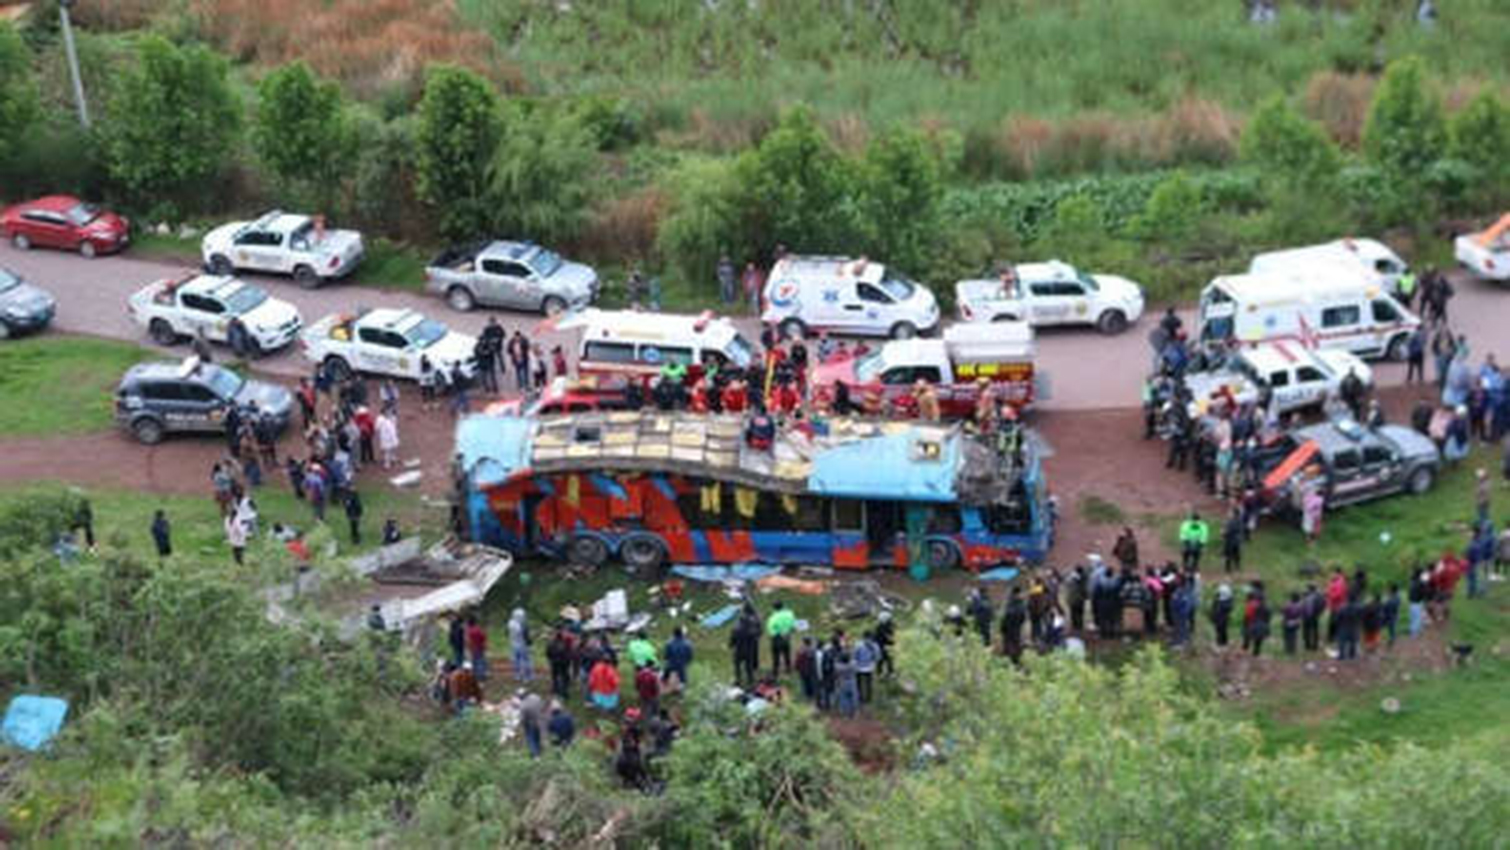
(587, 551)
(942, 555)
(643, 553)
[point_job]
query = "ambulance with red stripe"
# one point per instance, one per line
(635, 344)
(1328, 307)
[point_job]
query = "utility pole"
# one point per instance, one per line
(73, 63)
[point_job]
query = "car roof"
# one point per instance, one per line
(52, 203)
(158, 370)
(1331, 437)
(1277, 355)
(278, 221)
(826, 269)
(1052, 270)
(394, 318)
(219, 286)
(510, 249)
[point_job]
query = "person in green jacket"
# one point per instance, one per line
(641, 652)
(1194, 534)
(779, 626)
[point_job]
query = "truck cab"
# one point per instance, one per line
(1486, 254)
(1283, 374)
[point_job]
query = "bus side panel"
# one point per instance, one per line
(793, 547)
(730, 547)
(848, 550)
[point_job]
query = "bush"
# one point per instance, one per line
(542, 176)
(796, 190)
(902, 191)
(20, 105)
(457, 133)
(1281, 143)
(1405, 133)
(383, 182)
(1479, 137)
(1172, 211)
(705, 222)
(173, 124)
(303, 134)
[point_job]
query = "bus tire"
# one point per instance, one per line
(643, 552)
(587, 551)
(1398, 349)
(942, 555)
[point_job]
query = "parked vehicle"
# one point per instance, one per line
(655, 488)
(65, 222)
(1282, 375)
(1002, 353)
(1356, 464)
(849, 296)
(1052, 293)
(1370, 259)
(636, 344)
(564, 396)
(283, 243)
(1487, 253)
(23, 308)
(521, 275)
(1328, 308)
(156, 399)
(386, 342)
(178, 308)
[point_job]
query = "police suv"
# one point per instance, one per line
(161, 398)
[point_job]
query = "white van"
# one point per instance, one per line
(848, 296)
(1371, 259)
(631, 343)
(1330, 310)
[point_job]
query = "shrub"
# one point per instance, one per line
(542, 176)
(173, 123)
(626, 226)
(1479, 136)
(902, 191)
(382, 196)
(1405, 131)
(1340, 102)
(706, 220)
(20, 105)
(798, 191)
(302, 132)
(1286, 146)
(456, 138)
(1172, 211)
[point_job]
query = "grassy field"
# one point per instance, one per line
(52, 385)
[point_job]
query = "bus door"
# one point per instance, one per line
(849, 548)
(527, 510)
(885, 524)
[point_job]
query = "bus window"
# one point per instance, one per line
(847, 515)
(691, 507)
(769, 514)
(1014, 516)
(731, 517)
(943, 519)
(812, 514)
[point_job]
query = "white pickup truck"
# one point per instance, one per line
(178, 308)
(1293, 377)
(511, 274)
(386, 342)
(283, 243)
(1486, 253)
(1052, 293)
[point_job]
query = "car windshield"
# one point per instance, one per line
(898, 288)
(425, 334)
(225, 383)
(82, 214)
(1090, 282)
(1246, 369)
(869, 366)
(245, 300)
(740, 351)
(8, 281)
(545, 263)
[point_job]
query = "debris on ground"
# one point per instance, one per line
(852, 600)
(781, 582)
(610, 612)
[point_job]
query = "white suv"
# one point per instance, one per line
(848, 296)
(283, 243)
(1052, 293)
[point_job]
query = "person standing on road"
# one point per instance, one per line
(726, 290)
(162, 534)
(1415, 357)
(386, 432)
(493, 334)
(354, 515)
(459, 401)
(201, 347)
(1125, 550)
(519, 357)
(1194, 535)
(487, 372)
(752, 285)
(779, 626)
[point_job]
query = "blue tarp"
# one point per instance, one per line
(999, 574)
(719, 617)
(740, 572)
(492, 447)
(884, 468)
(32, 721)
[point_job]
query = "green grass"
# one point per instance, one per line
(53, 385)
(170, 248)
(1099, 511)
(392, 266)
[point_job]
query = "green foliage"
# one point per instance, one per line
(1077, 227)
(780, 781)
(173, 123)
(903, 187)
(302, 132)
(55, 385)
(1172, 212)
(384, 174)
(1405, 132)
(1286, 146)
(457, 133)
(542, 176)
(20, 104)
(797, 190)
(706, 220)
(1479, 136)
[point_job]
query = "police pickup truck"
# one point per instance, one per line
(182, 307)
(386, 342)
(1052, 293)
(1356, 464)
(283, 243)
(511, 274)
(157, 399)
(1285, 375)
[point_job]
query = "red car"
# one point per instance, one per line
(63, 221)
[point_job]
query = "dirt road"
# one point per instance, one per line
(1086, 371)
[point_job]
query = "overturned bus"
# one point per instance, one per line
(654, 488)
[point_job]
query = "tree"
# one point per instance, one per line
(20, 106)
(302, 132)
(457, 135)
(903, 187)
(173, 124)
(1288, 148)
(798, 191)
(706, 220)
(1480, 137)
(1405, 131)
(542, 175)
(1172, 211)
(1077, 227)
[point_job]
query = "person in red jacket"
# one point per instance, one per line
(603, 685)
(735, 398)
(647, 684)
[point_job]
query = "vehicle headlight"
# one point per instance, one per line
(17, 312)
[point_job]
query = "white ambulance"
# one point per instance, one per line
(1332, 309)
(1368, 258)
(848, 296)
(631, 343)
